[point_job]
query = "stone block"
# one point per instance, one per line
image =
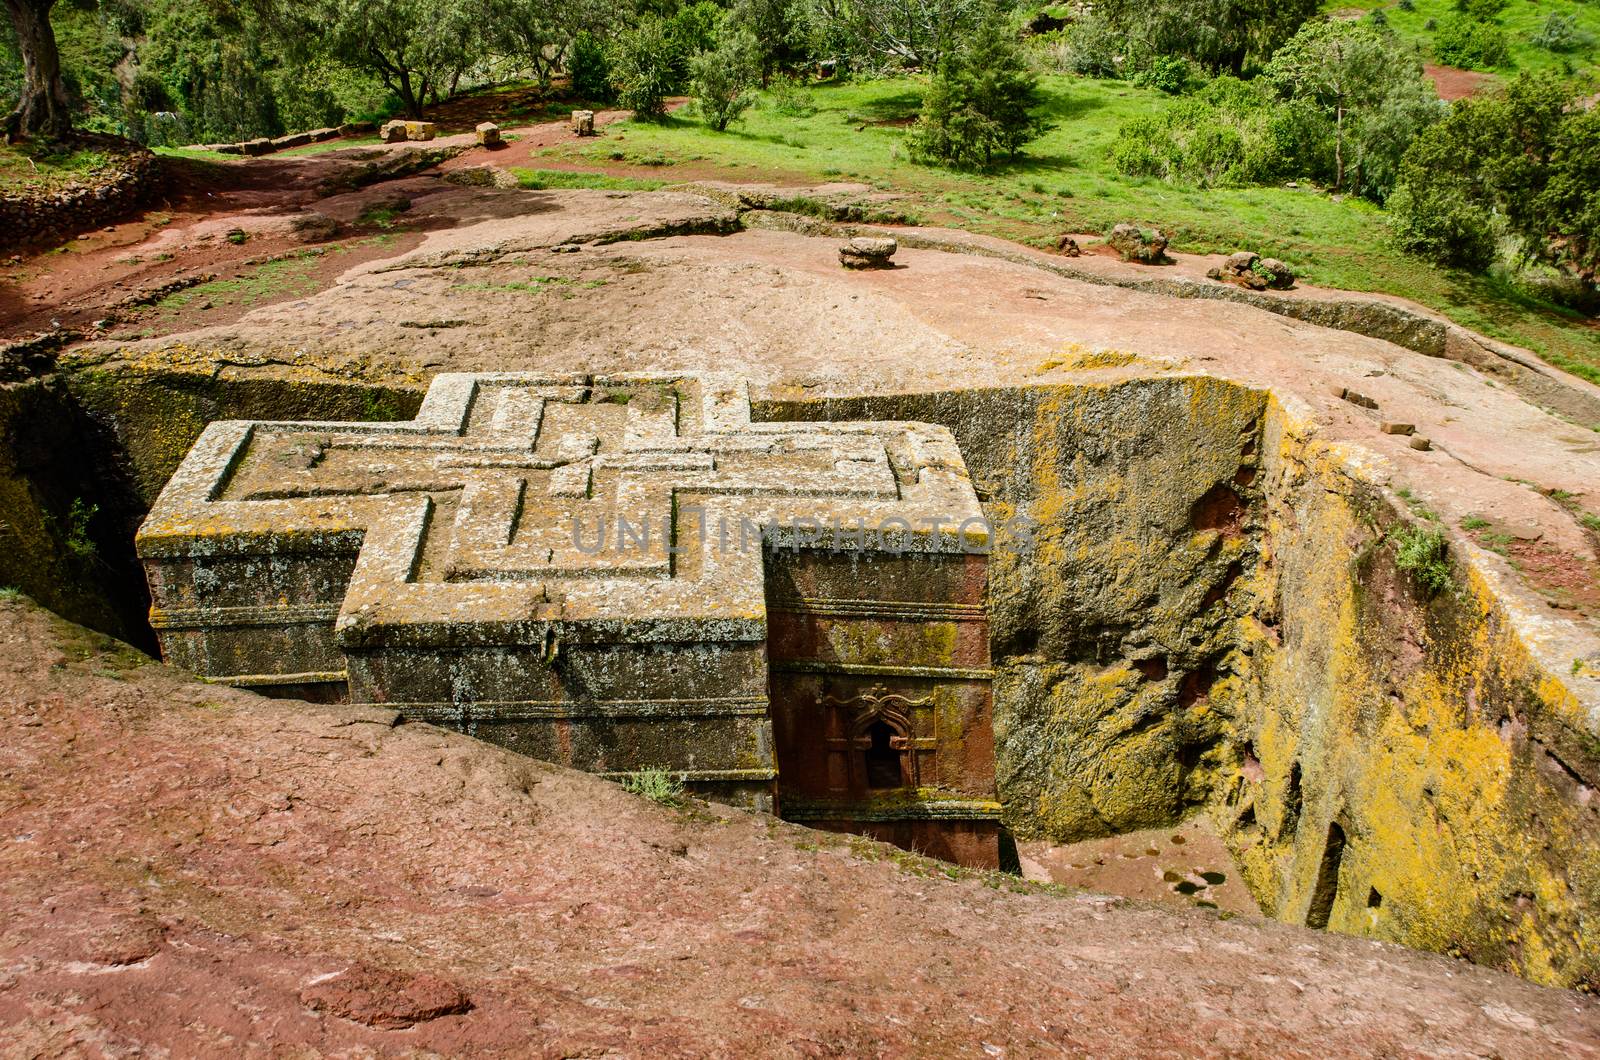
(613, 573)
(1420, 443)
(583, 123)
(868, 252)
(393, 132)
(489, 134)
(257, 147)
(293, 140)
(1399, 428)
(421, 130)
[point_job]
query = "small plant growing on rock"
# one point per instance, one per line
(1423, 553)
(657, 785)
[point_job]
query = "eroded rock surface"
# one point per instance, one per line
(192, 869)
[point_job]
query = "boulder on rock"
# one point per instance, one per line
(868, 252)
(489, 134)
(583, 123)
(1068, 246)
(1147, 246)
(1245, 268)
(392, 132)
(1279, 276)
(314, 227)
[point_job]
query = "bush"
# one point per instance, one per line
(977, 105)
(1482, 10)
(589, 69)
(1560, 33)
(1471, 43)
(1229, 133)
(1092, 46)
(791, 99)
(722, 79)
(641, 69)
(1168, 73)
(1441, 227)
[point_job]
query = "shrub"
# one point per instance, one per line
(641, 69)
(1471, 43)
(1168, 73)
(977, 105)
(722, 79)
(1423, 553)
(1229, 133)
(1407, 5)
(655, 784)
(1092, 46)
(1482, 10)
(791, 99)
(1560, 33)
(589, 69)
(1440, 226)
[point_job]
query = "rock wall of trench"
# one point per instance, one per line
(1211, 618)
(83, 454)
(1406, 768)
(1207, 617)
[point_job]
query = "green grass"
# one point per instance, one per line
(331, 145)
(1520, 20)
(42, 167)
(283, 276)
(1065, 183)
(540, 179)
(657, 785)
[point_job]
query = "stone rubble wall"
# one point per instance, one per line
(58, 215)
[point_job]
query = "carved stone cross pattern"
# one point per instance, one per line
(512, 499)
(582, 569)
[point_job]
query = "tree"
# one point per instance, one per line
(1371, 87)
(43, 108)
(539, 32)
(723, 77)
(1220, 35)
(416, 47)
(777, 29)
(641, 68)
(916, 32)
(977, 105)
(1529, 154)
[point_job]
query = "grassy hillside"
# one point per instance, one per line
(1521, 20)
(1066, 185)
